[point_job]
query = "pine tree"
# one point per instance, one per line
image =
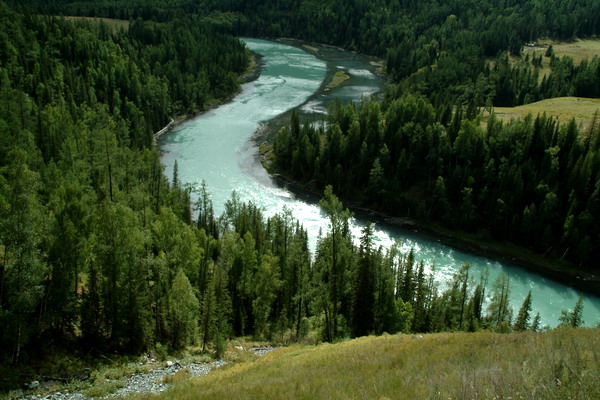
(175, 182)
(499, 309)
(267, 284)
(522, 322)
(184, 308)
(208, 309)
(338, 264)
(364, 286)
(573, 318)
(23, 270)
(535, 324)
(222, 310)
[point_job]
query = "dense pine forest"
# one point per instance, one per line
(89, 223)
(100, 251)
(434, 47)
(533, 183)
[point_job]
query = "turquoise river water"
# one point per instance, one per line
(216, 147)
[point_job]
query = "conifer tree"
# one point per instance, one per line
(22, 270)
(573, 318)
(184, 312)
(522, 321)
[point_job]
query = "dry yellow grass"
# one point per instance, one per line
(114, 24)
(563, 108)
(578, 49)
(561, 364)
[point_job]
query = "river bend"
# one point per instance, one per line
(216, 147)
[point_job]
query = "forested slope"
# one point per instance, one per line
(84, 204)
(531, 182)
(436, 48)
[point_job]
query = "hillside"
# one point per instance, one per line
(563, 108)
(554, 365)
(578, 50)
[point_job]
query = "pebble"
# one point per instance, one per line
(149, 382)
(261, 351)
(152, 382)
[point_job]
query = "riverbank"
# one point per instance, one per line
(558, 270)
(251, 74)
(561, 271)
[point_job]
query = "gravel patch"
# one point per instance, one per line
(148, 382)
(152, 382)
(261, 351)
(56, 396)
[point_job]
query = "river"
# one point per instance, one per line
(216, 147)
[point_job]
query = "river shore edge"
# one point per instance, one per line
(558, 270)
(251, 74)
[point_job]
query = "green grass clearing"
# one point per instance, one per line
(563, 108)
(579, 49)
(339, 78)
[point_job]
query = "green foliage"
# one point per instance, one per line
(527, 182)
(499, 309)
(522, 321)
(23, 270)
(573, 318)
(97, 265)
(184, 312)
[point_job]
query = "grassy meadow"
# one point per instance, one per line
(561, 364)
(563, 108)
(578, 49)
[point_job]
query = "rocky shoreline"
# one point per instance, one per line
(152, 382)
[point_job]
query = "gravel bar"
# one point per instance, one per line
(148, 382)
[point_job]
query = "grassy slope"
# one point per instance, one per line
(561, 364)
(563, 108)
(578, 49)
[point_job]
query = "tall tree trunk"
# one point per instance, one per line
(17, 353)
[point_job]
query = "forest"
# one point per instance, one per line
(84, 203)
(531, 182)
(101, 251)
